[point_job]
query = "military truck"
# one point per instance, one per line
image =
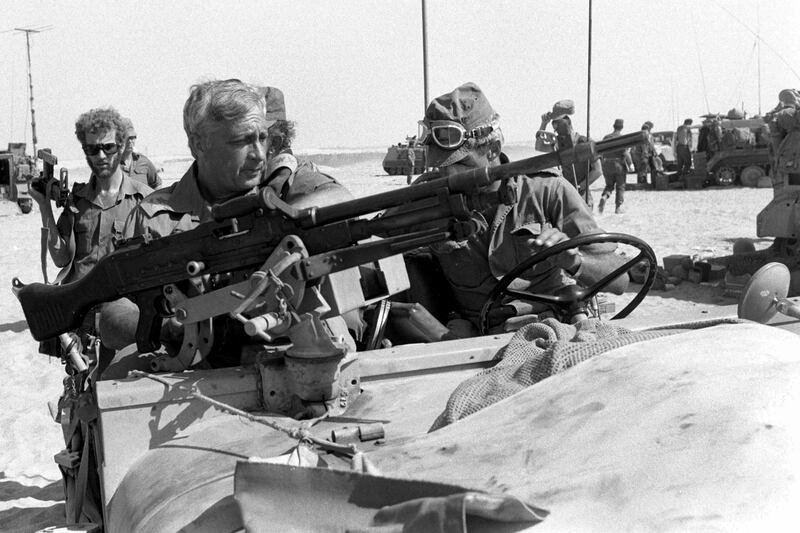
(663, 142)
(16, 170)
(396, 162)
(736, 151)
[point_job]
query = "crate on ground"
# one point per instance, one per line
(676, 260)
(734, 285)
(695, 181)
(717, 273)
(695, 276)
(661, 182)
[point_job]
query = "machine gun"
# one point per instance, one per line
(248, 232)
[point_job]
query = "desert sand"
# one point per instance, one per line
(698, 222)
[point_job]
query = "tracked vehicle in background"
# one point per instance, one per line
(736, 152)
(397, 163)
(16, 170)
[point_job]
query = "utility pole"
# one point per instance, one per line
(28, 32)
(589, 77)
(758, 44)
(586, 192)
(425, 55)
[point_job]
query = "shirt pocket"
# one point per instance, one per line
(83, 238)
(115, 234)
(520, 237)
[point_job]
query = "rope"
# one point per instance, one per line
(758, 37)
(301, 434)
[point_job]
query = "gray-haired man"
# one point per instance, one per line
(227, 123)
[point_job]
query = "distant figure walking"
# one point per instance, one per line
(615, 171)
(683, 148)
(411, 158)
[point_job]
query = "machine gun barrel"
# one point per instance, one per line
(621, 142)
(472, 180)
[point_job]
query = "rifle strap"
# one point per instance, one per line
(43, 255)
(66, 270)
(45, 233)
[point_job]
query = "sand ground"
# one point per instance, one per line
(702, 222)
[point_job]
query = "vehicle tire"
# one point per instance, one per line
(725, 176)
(750, 175)
(25, 206)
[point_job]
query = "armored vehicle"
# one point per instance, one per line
(16, 171)
(396, 161)
(736, 151)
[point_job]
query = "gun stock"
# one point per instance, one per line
(54, 309)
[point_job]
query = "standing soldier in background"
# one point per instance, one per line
(411, 159)
(99, 208)
(136, 165)
(683, 148)
(642, 155)
(615, 170)
(84, 233)
(565, 136)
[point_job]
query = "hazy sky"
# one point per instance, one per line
(352, 70)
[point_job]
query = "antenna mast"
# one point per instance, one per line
(28, 32)
(589, 77)
(758, 44)
(425, 55)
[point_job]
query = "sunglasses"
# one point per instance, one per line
(94, 149)
(449, 135)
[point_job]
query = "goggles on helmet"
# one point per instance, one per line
(449, 135)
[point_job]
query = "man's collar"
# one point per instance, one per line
(186, 197)
(89, 190)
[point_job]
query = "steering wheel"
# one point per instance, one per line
(575, 294)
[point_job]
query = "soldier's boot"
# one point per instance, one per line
(620, 209)
(601, 205)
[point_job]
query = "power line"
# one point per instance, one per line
(700, 62)
(760, 39)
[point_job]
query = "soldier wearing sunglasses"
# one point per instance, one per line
(462, 131)
(85, 230)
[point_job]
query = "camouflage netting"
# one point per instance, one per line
(540, 350)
